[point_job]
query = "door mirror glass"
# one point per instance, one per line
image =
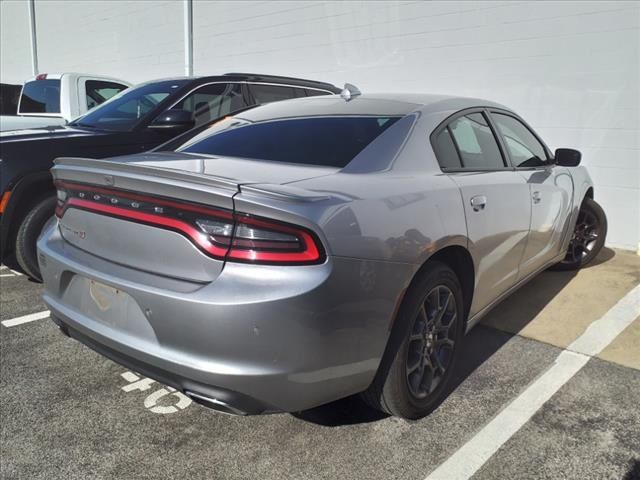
(567, 157)
(174, 119)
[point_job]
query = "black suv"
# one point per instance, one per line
(137, 120)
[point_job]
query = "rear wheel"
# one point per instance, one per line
(424, 347)
(28, 234)
(588, 236)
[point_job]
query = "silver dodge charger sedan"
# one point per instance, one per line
(312, 249)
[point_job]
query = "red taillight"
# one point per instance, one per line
(217, 232)
(42, 76)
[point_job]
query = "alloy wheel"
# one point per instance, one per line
(585, 236)
(431, 342)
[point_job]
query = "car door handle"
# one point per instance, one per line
(478, 202)
(536, 197)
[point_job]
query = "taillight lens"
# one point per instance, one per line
(217, 232)
(267, 241)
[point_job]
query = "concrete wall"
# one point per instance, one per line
(570, 68)
(15, 42)
(134, 40)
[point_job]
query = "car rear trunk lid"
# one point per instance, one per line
(145, 214)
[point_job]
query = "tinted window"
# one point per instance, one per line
(524, 148)
(328, 141)
(126, 109)
(476, 143)
(40, 96)
(445, 149)
(272, 93)
(98, 92)
(314, 93)
(212, 101)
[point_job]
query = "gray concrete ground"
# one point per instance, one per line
(64, 413)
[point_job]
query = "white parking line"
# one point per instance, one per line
(25, 319)
(475, 453)
(12, 274)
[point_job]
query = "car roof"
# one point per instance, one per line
(389, 104)
(251, 77)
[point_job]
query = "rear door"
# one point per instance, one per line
(550, 189)
(496, 201)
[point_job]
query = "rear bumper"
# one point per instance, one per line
(259, 338)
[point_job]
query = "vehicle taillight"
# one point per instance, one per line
(42, 76)
(266, 241)
(219, 233)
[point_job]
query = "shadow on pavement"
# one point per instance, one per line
(634, 471)
(512, 314)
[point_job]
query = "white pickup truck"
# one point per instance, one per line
(55, 99)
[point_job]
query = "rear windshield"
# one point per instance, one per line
(324, 141)
(40, 96)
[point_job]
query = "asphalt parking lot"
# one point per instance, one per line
(67, 412)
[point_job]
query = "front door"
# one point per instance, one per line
(550, 189)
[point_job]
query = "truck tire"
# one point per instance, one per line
(28, 234)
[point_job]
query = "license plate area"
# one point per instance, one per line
(108, 306)
(104, 296)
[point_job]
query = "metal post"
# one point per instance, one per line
(34, 40)
(188, 37)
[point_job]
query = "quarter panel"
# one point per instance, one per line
(377, 216)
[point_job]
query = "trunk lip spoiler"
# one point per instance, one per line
(105, 166)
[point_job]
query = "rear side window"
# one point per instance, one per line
(315, 93)
(98, 92)
(40, 96)
(445, 149)
(324, 141)
(273, 93)
(213, 101)
(476, 143)
(524, 148)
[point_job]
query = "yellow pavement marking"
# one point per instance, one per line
(625, 349)
(557, 307)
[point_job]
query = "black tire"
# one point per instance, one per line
(588, 237)
(28, 234)
(397, 386)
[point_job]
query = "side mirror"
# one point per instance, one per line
(567, 157)
(175, 119)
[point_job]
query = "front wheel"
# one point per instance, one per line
(588, 236)
(28, 233)
(423, 348)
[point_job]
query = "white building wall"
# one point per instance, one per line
(570, 68)
(15, 42)
(132, 40)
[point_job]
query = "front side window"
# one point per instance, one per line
(40, 96)
(476, 143)
(524, 148)
(123, 111)
(97, 92)
(324, 141)
(212, 101)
